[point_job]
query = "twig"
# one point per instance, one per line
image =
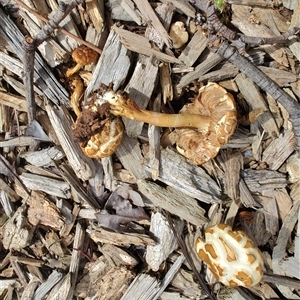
(52, 24)
(281, 39)
(28, 71)
(30, 45)
(62, 30)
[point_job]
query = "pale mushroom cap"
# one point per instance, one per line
(178, 34)
(231, 256)
(215, 102)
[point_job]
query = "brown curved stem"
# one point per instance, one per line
(121, 106)
(77, 94)
(73, 70)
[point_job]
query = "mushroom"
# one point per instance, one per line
(82, 56)
(105, 142)
(202, 126)
(231, 256)
(178, 34)
(98, 131)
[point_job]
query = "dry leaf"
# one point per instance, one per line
(119, 212)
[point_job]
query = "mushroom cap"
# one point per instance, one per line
(213, 101)
(178, 34)
(84, 55)
(231, 256)
(99, 132)
(105, 143)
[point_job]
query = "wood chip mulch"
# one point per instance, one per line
(75, 227)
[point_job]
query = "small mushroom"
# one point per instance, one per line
(178, 34)
(202, 126)
(82, 56)
(231, 256)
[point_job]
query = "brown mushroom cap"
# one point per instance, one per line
(105, 143)
(98, 132)
(231, 256)
(84, 55)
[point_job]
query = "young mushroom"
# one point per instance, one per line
(202, 127)
(231, 256)
(178, 34)
(82, 56)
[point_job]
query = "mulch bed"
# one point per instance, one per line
(124, 226)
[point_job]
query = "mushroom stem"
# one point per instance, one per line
(73, 70)
(122, 106)
(77, 94)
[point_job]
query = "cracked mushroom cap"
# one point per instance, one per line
(231, 256)
(214, 102)
(98, 132)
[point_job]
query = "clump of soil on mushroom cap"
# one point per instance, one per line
(91, 120)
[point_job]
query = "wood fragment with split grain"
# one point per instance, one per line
(60, 119)
(18, 231)
(48, 185)
(189, 179)
(166, 241)
(173, 201)
(42, 211)
(279, 150)
(122, 239)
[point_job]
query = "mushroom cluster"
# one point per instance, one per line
(231, 256)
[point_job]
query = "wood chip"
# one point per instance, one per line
(279, 150)
(256, 101)
(261, 180)
(42, 211)
(170, 200)
(139, 44)
(18, 231)
(81, 164)
(189, 179)
(166, 241)
(105, 236)
(50, 186)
